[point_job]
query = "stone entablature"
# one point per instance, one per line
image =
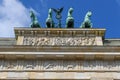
(56, 53)
(59, 37)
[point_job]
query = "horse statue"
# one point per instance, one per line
(70, 19)
(34, 21)
(49, 20)
(87, 22)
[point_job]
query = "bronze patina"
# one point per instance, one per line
(34, 21)
(49, 20)
(87, 22)
(70, 19)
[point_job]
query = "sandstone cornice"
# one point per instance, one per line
(25, 48)
(59, 32)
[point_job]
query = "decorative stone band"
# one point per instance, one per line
(60, 65)
(25, 48)
(57, 32)
(61, 55)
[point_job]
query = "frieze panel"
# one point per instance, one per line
(59, 41)
(60, 65)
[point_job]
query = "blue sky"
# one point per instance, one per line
(15, 13)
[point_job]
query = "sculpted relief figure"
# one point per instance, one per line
(34, 21)
(70, 19)
(49, 20)
(57, 41)
(87, 22)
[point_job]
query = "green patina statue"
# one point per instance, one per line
(34, 21)
(49, 20)
(87, 22)
(70, 19)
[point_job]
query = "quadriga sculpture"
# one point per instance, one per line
(70, 19)
(87, 22)
(34, 21)
(49, 20)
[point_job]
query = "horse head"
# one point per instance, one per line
(89, 14)
(70, 10)
(50, 13)
(70, 19)
(31, 14)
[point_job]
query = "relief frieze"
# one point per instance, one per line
(60, 65)
(59, 41)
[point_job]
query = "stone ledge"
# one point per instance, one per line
(24, 48)
(61, 55)
(62, 71)
(59, 32)
(63, 76)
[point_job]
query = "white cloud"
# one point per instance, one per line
(12, 14)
